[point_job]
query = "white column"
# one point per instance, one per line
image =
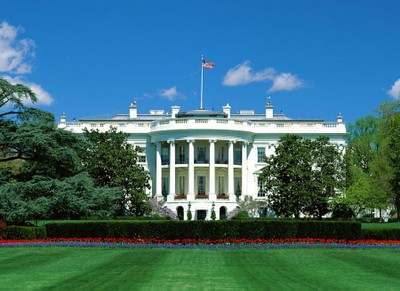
(158, 171)
(231, 180)
(171, 193)
(212, 196)
(244, 169)
(191, 170)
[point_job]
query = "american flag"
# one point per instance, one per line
(208, 65)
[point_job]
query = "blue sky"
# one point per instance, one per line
(314, 58)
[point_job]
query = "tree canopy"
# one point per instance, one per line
(303, 176)
(112, 161)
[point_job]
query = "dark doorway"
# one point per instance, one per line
(179, 210)
(201, 214)
(222, 213)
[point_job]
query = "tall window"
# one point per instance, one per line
(165, 155)
(261, 189)
(182, 185)
(201, 154)
(221, 155)
(260, 155)
(201, 185)
(238, 190)
(165, 186)
(237, 158)
(182, 155)
(221, 185)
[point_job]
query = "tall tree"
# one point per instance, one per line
(390, 149)
(113, 162)
(303, 176)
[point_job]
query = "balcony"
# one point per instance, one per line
(201, 196)
(222, 196)
(180, 197)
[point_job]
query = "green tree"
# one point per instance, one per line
(112, 161)
(390, 149)
(303, 176)
(368, 168)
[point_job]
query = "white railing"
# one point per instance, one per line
(291, 126)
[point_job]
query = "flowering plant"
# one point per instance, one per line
(234, 243)
(223, 196)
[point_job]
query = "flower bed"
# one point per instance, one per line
(203, 243)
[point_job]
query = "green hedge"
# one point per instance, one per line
(381, 233)
(248, 228)
(25, 232)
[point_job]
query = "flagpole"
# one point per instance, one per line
(201, 83)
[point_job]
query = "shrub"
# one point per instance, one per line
(381, 233)
(242, 214)
(26, 232)
(170, 229)
(3, 227)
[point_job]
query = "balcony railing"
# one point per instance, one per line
(180, 196)
(201, 196)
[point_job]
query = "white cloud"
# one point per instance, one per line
(242, 74)
(170, 94)
(395, 90)
(14, 54)
(286, 82)
(44, 98)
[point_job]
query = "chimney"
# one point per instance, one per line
(339, 118)
(133, 110)
(227, 109)
(269, 109)
(174, 111)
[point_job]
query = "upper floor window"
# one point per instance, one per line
(237, 158)
(260, 155)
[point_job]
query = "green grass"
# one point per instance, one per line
(63, 268)
(381, 225)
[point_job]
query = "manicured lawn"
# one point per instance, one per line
(67, 268)
(381, 225)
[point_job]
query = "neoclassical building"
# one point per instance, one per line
(204, 159)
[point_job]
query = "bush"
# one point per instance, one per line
(3, 227)
(381, 233)
(248, 228)
(242, 214)
(25, 232)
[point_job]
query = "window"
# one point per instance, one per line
(221, 155)
(260, 155)
(181, 155)
(238, 190)
(165, 155)
(142, 158)
(165, 188)
(237, 158)
(201, 154)
(221, 185)
(201, 185)
(261, 189)
(181, 185)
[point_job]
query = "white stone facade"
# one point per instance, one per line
(205, 159)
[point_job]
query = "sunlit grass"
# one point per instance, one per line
(63, 268)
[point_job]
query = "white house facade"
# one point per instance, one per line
(204, 159)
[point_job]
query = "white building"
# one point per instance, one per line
(203, 159)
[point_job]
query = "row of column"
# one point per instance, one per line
(191, 192)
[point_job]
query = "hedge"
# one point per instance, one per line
(381, 233)
(25, 232)
(248, 228)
